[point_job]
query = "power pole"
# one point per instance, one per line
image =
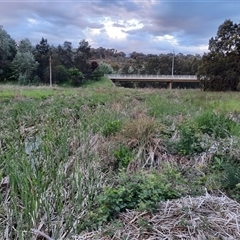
(50, 70)
(173, 64)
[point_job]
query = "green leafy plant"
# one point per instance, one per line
(189, 142)
(123, 156)
(218, 163)
(111, 127)
(214, 124)
(139, 191)
(231, 176)
(231, 180)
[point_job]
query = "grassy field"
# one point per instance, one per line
(72, 159)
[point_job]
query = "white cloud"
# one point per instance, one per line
(118, 29)
(166, 38)
(32, 22)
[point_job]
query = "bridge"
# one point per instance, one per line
(169, 79)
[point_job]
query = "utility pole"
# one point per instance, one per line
(173, 64)
(50, 70)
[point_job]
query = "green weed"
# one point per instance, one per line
(189, 142)
(111, 128)
(139, 191)
(214, 124)
(123, 156)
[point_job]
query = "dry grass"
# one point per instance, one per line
(205, 217)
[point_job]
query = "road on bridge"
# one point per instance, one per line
(169, 79)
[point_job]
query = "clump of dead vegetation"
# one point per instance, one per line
(203, 217)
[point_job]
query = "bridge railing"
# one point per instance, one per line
(151, 76)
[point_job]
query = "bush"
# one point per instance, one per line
(105, 68)
(75, 76)
(230, 179)
(139, 191)
(22, 80)
(97, 74)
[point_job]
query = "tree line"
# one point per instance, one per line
(27, 64)
(217, 70)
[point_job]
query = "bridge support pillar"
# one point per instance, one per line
(169, 85)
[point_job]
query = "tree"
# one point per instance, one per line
(66, 55)
(153, 66)
(227, 39)
(105, 68)
(94, 65)
(81, 60)
(43, 47)
(42, 56)
(24, 64)
(220, 68)
(60, 74)
(7, 53)
(25, 46)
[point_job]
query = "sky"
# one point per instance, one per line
(144, 26)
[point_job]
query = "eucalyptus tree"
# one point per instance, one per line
(105, 68)
(66, 54)
(8, 51)
(82, 57)
(25, 46)
(152, 65)
(220, 68)
(24, 64)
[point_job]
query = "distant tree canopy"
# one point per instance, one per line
(220, 68)
(28, 64)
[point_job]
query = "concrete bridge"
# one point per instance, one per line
(169, 79)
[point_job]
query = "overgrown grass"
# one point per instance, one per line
(72, 159)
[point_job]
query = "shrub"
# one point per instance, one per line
(75, 76)
(139, 191)
(105, 68)
(97, 74)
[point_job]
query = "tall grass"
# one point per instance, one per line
(57, 146)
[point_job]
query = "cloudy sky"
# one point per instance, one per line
(147, 26)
